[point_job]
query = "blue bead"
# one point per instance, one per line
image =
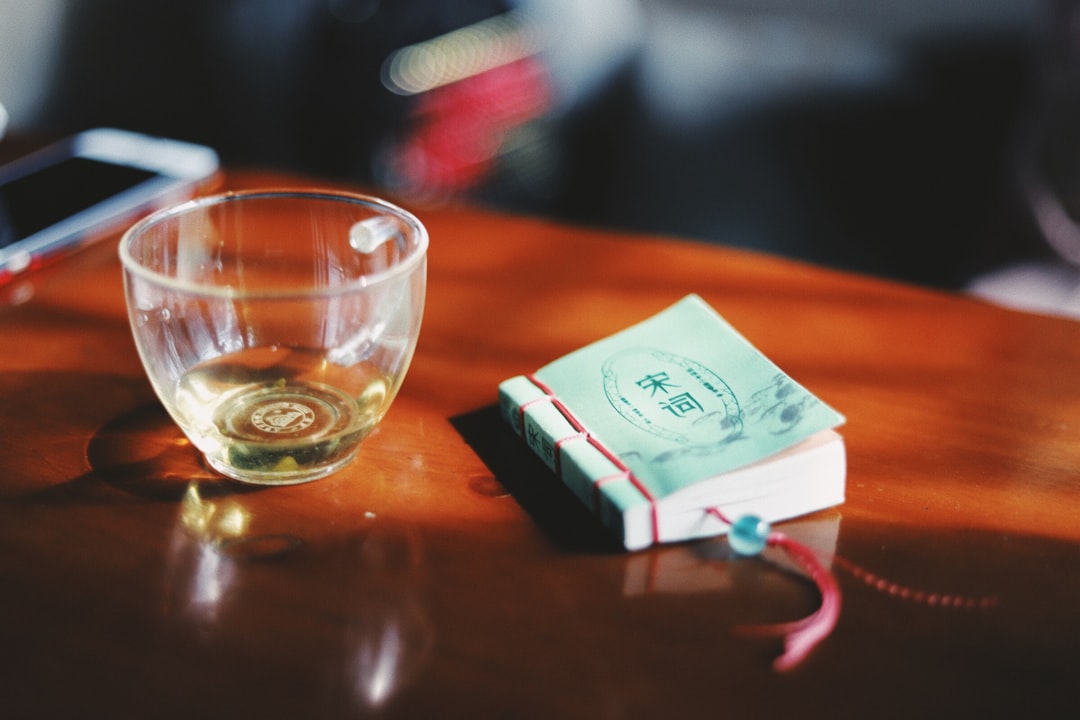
(748, 535)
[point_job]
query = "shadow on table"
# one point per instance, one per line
(550, 503)
(108, 435)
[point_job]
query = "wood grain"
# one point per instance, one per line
(443, 574)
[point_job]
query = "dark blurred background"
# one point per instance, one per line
(890, 138)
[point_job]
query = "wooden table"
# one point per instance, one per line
(445, 574)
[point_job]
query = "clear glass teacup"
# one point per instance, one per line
(276, 326)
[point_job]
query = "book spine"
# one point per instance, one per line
(595, 475)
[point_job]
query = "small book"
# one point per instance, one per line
(657, 424)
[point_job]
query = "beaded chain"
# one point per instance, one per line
(749, 535)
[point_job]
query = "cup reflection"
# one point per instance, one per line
(345, 614)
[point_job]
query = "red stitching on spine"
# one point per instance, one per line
(550, 396)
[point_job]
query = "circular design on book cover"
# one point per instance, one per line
(672, 397)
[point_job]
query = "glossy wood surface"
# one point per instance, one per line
(444, 574)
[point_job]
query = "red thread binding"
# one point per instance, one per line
(524, 406)
(558, 449)
(582, 432)
(602, 481)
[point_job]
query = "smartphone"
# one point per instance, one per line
(57, 199)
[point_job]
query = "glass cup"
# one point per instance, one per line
(276, 326)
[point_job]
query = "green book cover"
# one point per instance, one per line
(654, 425)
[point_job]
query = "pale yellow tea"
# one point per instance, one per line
(284, 414)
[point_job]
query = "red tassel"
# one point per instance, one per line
(802, 636)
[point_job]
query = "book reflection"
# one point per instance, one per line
(705, 566)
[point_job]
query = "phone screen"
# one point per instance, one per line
(35, 201)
